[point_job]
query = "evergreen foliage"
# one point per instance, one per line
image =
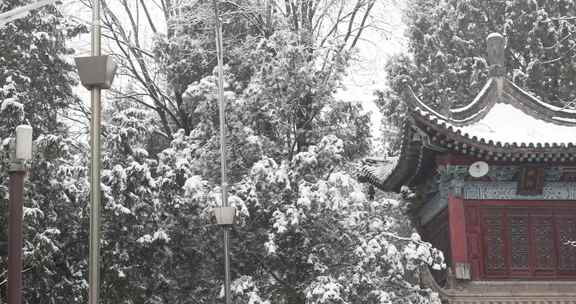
(36, 81)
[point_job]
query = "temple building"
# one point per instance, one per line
(495, 185)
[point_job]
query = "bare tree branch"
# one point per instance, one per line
(351, 23)
(361, 29)
(150, 22)
(121, 35)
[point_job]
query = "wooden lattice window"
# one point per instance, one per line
(523, 241)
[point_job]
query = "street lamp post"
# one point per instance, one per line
(21, 152)
(224, 215)
(96, 73)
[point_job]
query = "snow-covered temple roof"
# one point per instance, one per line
(503, 123)
(506, 115)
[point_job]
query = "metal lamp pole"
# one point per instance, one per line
(96, 73)
(225, 214)
(95, 148)
(21, 152)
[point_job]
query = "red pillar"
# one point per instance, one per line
(15, 218)
(458, 244)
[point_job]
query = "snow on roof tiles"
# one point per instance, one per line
(511, 116)
(508, 124)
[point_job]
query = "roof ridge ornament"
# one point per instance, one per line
(495, 47)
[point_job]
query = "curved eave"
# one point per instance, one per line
(537, 108)
(446, 135)
(489, 95)
(463, 116)
(478, 108)
(409, 169)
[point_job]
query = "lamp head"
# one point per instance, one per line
(96, 71)
(23, 143)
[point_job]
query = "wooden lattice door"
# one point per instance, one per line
(521, 239)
